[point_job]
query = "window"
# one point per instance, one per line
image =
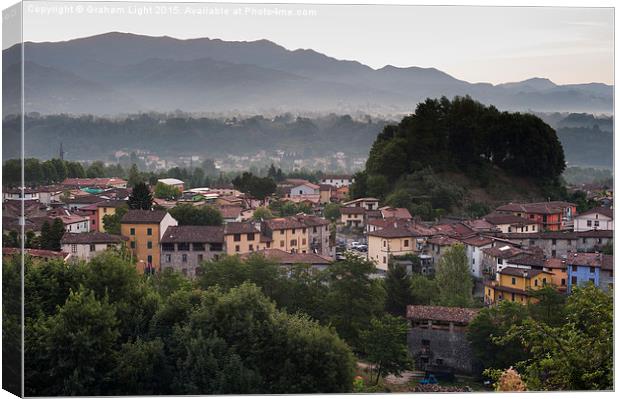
(281, 243)
(237, 237)
(574, 268)
(589, 223)
(563, 282)
(216, 246)
(473, 261)
(237, 249)
(406, 243)
(133, 245)
(583, 240)
(149, 259)
(426, 342)
(303, 241)
(149, 244)
(198, 246)
(314, 229)
(183, 246)
(535, 283)
(293, 243)
(384, 259)
(268, 244)
(544, 281)
(251, 247)
(167, 247)
(74, 248)
(573, 280)
(92, 247)
(250, 236)
(553, 253)
(514, 281)
(513, 296)
(293, 231)
(592, 270)
(132, 231)
(168, 258)
(184, 258)
(596, 223)
(384, 243)
(553, 241)
(303, 230)
(500, 261)
(281, 231)
(591, 280)
(149, 231)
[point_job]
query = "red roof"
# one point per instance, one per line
(441, 313)
(550, 207)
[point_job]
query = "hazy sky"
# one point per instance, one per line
(477, 44)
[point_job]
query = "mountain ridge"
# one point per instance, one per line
(326, 84)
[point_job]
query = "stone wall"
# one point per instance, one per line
(450, 346)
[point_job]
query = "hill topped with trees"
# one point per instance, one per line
(460, 151)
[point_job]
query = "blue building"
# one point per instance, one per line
(587, 267)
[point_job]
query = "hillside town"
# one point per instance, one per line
(511, 253)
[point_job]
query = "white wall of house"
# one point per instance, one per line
(303, 189)
(593, 221)
(474, 258)
(166, 222)
(337, 182)
(83, 226)
(85, 251)
(18, 196)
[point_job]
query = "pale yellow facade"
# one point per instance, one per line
(241, 243)
(291, 240)
(101, 212)
(380, 249)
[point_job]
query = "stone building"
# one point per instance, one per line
(437, 338)
(185, 248)
(555, 244)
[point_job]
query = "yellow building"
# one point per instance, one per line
(242, 238)
(107, 208)
(390, 241)
(287, 234)
(352, 216)
(514, 283)
(145, 229)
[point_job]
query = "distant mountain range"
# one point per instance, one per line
(124, 73)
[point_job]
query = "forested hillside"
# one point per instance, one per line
(462, 150)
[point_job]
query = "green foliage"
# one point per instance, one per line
(454, 279)
(12, 322)
(100, 328)
(257, 187)
(262, 213)
(354, 297)
(424, 290)
(289, 208)
(491, 324)
(331, 212)
(165, 191)
(112, 223)
(576, 355)
(141, 197)
(189, 215)
(70, 352)
(385, 345)
(398, 290)
(547, 305)
(52, 234)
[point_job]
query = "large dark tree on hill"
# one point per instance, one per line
(257, 187)
(141, 197)
(187, 214)
(465, 136)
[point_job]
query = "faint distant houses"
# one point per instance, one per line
(176, 183)
(337, 180)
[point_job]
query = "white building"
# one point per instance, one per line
(600, 218)
(180, 184)
(338, 180)
(75, 223)
(16, 194)
(305, 189)
(85, 246)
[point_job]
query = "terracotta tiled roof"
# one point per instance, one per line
(93, 237)
(99, 181)
(477, 240)
(230, 211)
(498, 218)
(284, 223)
(602, 210)
(283, 257)
(441, 313)
(536, 207)
(398, 213)
(443, 240)
(504, 252)
(357, 210)
(85, 199)
(528, 260)
(592, 259)
(518, 272)
(143, 216)
(240, 228)
(198, 234)
(37, 253)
